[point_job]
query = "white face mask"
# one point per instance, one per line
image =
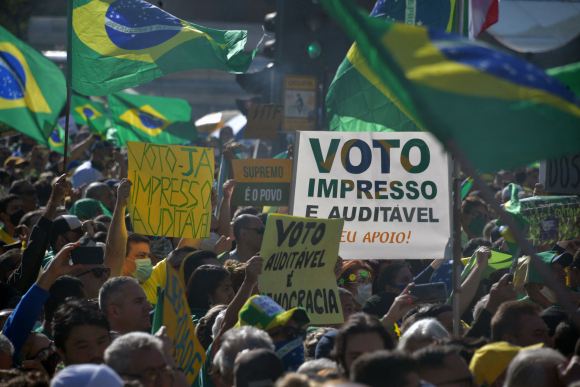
(364, 293)
(209, 244)
(549, 294)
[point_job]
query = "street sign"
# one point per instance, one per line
(300, 102)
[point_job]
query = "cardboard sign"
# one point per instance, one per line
(263, 121)
(262, 182)
(300, 102)
(392, 189)
(552, 218)
(171, 192)
(561, 175)
(187, 350)
(299, 258)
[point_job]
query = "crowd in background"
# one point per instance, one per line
(90, 324)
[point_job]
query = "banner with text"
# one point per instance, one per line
(171, 192)
(299, 258)
(174, 312)
(391, 188)
(552, 218)
(262, 182)
(561, 175)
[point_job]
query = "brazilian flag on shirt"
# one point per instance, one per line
(145, 118)
(118, 44)
(32, 89)
(84, 110)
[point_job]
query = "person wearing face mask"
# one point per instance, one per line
(357, 277)
(539, 292)
(11, 212)
(474, 217)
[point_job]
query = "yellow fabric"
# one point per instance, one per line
(158, 277)
(491, 360)
(6, 237)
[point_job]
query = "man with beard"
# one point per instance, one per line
(81, 332)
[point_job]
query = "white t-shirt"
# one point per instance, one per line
(85, 174)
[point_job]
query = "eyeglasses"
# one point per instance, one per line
(291, 333)
(97, 272)
(259, 230)
(477, 214)
(151, 375)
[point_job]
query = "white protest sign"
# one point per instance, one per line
(561, 175)
(392, 189)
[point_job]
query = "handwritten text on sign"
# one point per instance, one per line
(171, 193)
(262, 182)
(187, 350)
(299, 258)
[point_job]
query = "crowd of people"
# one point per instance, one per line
(66, 324)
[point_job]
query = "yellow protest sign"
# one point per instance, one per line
(262, 182)
(187, 350)
(171, 193)
(299, 257)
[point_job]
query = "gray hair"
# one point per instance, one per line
(94, 190)
(6, 346)
(527, 369)
(344, 291)
(312, 367)
(118, 355)
(479, 306)
(218, 323)
(422, 330)
(235, 341)
(111, 294)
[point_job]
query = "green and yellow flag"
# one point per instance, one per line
(56, 139)
(32, 88)
(84, 110)
(117, 44)
(157, 120)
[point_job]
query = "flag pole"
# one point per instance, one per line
(517, 234)
(67, 118)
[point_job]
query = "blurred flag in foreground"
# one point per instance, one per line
(115, 45)
(501, 111)
(32, 88)
(144, 118)
(84, 110)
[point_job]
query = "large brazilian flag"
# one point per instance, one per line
(145, 118)
(84, 110)
(358, 100)
(117, 44)
(503, 112)
(32, 89)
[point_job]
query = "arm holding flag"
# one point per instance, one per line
(471, 283)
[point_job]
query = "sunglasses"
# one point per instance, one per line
(97, 272)
(259, 230)
(291, 333)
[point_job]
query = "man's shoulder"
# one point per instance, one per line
(83, 168)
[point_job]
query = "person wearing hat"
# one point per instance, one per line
(490, 362)
(92, 170)
(284, 327)
(537, 290)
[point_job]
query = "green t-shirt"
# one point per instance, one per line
(47, 334)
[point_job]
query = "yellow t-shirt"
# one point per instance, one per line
(158, 277)
(6, 237)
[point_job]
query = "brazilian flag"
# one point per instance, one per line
(84, 110)
(145, 118)
(117, 44)
(32, 89)
(56, 139)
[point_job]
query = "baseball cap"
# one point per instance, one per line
(564, 259)
(107, 144)
(63, 224)
(257, 368)
(490, 361)
(379, 304)
(87, 375)
(264, 313)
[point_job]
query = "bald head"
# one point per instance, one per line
(102, 193)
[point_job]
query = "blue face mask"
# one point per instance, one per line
(291, 352)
